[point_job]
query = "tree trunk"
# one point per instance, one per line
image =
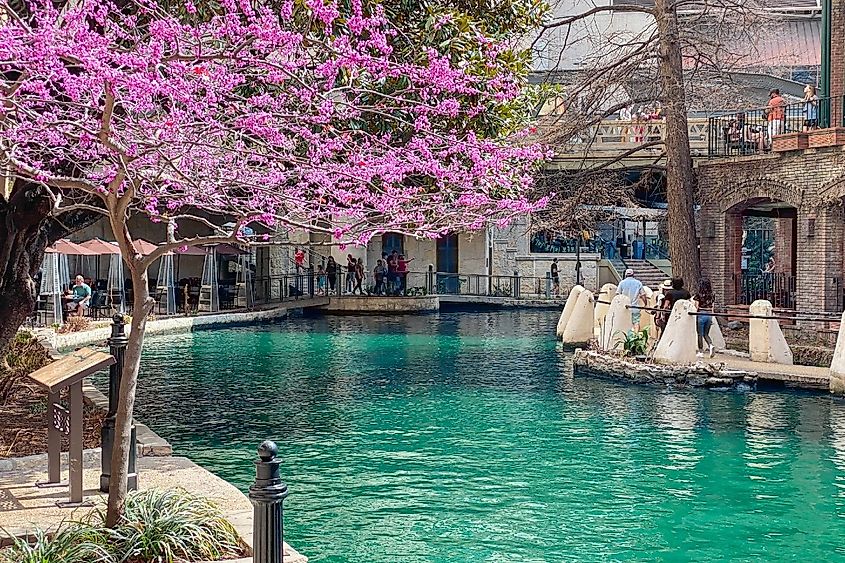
(23, 239)
(680, 177)
(142, 304)
(26, 229)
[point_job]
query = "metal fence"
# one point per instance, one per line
(748, 132)
(777, 288)
(403, 284)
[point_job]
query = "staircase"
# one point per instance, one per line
(646, 272)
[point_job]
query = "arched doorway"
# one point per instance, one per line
(762, 251)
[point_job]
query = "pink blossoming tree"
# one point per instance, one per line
(247, 118)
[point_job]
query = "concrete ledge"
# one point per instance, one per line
(381, 305)
(148, 442)
(181, 324)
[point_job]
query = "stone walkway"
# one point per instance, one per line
(801, 377)
(24, 506)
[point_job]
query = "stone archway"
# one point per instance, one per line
(762, 254)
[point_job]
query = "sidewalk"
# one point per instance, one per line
(801, 377)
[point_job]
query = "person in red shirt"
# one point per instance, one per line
(776, 113)
(299, 260)
(402, 272)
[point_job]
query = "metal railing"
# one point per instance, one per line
(751, 131)
(777, 288)
(404, 284)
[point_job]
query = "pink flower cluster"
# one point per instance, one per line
(251, 117)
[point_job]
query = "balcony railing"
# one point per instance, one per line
(752, 131)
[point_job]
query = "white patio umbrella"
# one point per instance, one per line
(209, 296)
(166, 281)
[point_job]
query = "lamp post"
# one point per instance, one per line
(267, 495)
(117, 346)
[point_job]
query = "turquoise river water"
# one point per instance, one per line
(464, 437)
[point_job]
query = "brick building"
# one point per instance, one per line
(784, 208)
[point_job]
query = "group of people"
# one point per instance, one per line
(760, 137)
(639, 116)
(669, 293)
(389, 275)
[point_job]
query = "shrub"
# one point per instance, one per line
(160, 526)
(171, 525)
(75, 324)
(25, 355)
(75, 543)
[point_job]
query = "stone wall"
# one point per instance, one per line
(382, 305)
(813, 181)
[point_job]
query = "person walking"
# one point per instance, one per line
(359, 276)
(331, 273)
(704, 303)
(632, 288)
(379, 274)
(350, 273)
(555, 274)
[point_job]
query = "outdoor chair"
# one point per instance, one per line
(98, 304)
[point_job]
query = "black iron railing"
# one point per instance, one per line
(777, 288)
(404, 284)
(748, 132)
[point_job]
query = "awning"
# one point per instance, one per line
(229, 250)
(64, 246)
(100, 247)
(144, 247)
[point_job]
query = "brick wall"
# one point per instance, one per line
(813, 181)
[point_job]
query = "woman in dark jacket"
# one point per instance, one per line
(331, 272)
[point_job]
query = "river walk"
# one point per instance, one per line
(24, 507)
(794, 376)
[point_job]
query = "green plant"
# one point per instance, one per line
(77, 542)
(25, 355)
(170, 525)
(635, 343)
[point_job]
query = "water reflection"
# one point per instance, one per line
(465, 437)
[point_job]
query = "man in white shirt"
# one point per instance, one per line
(633, 289)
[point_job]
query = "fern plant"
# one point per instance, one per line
(635, 343)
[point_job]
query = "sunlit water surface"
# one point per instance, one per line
(464, 437)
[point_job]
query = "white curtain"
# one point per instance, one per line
(51, 283)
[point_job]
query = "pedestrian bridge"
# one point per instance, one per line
(616, 144)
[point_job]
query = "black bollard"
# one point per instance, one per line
(267, 495)
(516, 284)
(117, 346)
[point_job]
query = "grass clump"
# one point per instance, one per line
(74, 542)
(161, 526)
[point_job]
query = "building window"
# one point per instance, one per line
(391, 242)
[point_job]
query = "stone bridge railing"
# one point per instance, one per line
(614, 136)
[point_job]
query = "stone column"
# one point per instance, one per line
(819, 261)
(277, 268)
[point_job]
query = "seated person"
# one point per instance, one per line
(81, 297)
